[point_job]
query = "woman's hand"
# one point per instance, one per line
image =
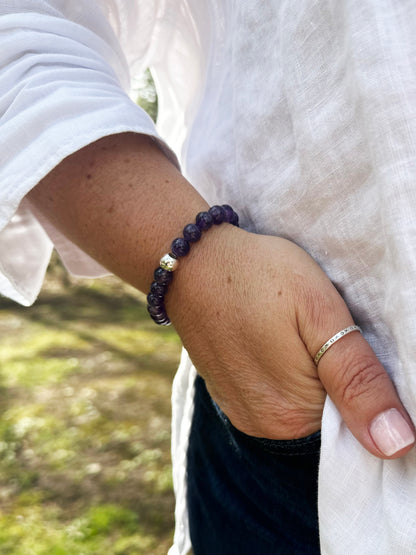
(252, 312)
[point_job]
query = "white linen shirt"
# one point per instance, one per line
(302, 116)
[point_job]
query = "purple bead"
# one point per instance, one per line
(234, 219)
(180, 247)
(162, 276)
(192, 233)
(229, 212)
(159, 288)
(163, 317)
(155, 300)
(204, 220)
(155, 311)
(162, 321)
(160, 318)
(165, 322)
(218, 214)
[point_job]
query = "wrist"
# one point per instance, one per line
(199, 287)
(180, 248)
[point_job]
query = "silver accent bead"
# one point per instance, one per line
(167, 262)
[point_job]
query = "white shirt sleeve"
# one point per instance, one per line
(64, 83)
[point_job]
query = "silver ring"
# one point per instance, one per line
(333, 340)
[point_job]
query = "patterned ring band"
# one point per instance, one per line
(333, 340)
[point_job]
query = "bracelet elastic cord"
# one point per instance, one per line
(180, 247)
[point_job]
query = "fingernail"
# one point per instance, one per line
(391, 432)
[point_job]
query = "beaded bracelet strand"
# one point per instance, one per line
(180, 247)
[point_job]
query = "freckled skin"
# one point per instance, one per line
(253, 345)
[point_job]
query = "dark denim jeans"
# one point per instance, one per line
(249, 496)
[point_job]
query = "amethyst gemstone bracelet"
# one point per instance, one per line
(180, 247)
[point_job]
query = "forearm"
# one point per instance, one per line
(122, 201)
(251, 310)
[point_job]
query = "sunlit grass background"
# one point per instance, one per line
(85, 379)
(85, 382)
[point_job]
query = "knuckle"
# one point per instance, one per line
(291, 423)
(322, 307)
(360, 379)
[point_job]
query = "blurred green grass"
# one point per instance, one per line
(85, 382)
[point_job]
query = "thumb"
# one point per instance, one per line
(365, 396)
